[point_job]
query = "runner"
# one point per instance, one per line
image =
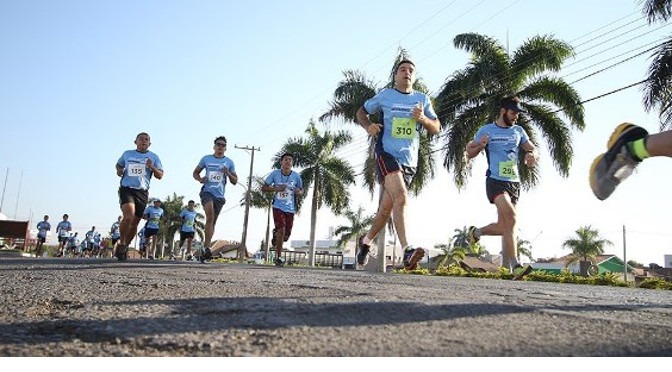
(115, 234)
(135, 168)
(286, 184)
(404, 112)
(42, 228)
(502, 141)
(153, 214)
(218, 168)
(187, 230)
(63, 231)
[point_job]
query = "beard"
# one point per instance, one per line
(508, 121)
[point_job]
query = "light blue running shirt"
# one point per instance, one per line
(284, 200)
(400, 131)
(63, 229)
(115, 230)
(502, 150)
(153, 215)
(136, 174)
(215, 180)
(42, 228)
(189, 219)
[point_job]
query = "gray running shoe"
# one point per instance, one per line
(614, 166)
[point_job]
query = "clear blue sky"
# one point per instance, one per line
(79, 79)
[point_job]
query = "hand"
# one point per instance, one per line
(484, 140)
(374, 129)
(418, 113)
(530, 159)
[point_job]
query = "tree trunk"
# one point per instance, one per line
(313, 222)
(583, 267)
(268, 234)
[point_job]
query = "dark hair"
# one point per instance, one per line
(191, 201)
(142, 134)
(220, 138)
(405, 60)
(286, 154)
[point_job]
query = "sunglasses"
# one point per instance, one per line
(220, 144)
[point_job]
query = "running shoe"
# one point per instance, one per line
(412, 256)
(614, 166)
(121, 252)
(471, 235)
(362, 252)
(206, 255)
(520, 271)
(278, 262)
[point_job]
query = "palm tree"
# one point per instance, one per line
(523, 248)
(261, 200)
(585, 247)
(328, 175)
(359, 225)
(171, 222)
(467, 99)
(658, 86)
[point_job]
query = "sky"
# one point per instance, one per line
(79, 80)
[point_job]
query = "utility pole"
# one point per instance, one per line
(242, 248)
(2, 201)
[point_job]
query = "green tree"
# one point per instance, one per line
(261, 200)
(171, 223)
(585, 247)
(468, 98)
(327, 175)
(359, 225)
(523, 248)
(658, 85)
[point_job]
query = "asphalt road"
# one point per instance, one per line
(101, 307)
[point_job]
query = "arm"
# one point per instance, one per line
(272, 188)
(120, 170)
(474, 148)
(197, 174)
(530, 153)
(433, 126)
(233, 177)
(363, 119)
(158, 173)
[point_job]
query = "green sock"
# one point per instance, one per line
(637, 149)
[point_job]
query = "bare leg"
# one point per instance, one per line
(660, 144)
(504, 227)
(210, 220)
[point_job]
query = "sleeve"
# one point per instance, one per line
(429, 109)
(372, 105)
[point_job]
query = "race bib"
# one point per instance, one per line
(284, 195)
(508, 169)
(405, 128)
(215, 176)
(136, 170)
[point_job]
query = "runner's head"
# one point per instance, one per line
(142, 142)
(509, 109)
(220, 145)
(404, 75)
